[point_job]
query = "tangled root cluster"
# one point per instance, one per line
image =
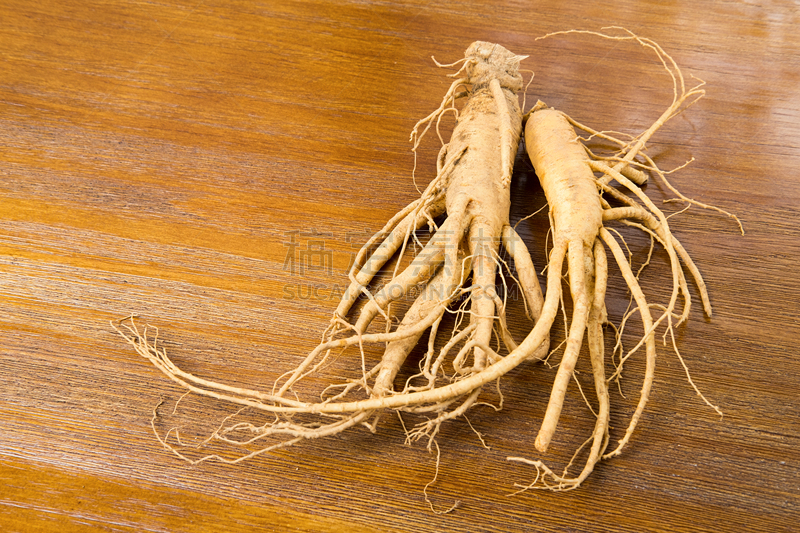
(464, 283)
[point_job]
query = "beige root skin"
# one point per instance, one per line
(472, 188)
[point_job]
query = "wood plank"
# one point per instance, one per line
(159, 158)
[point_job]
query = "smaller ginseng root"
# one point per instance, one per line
(580, 209)
(457, 269)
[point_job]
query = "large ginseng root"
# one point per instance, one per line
(460, 261)
(580, 208)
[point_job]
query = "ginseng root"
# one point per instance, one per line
(580, 208)
(460, 261)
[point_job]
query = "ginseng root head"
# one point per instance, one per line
(487, 61)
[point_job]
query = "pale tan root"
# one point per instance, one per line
(484, 305)
(277, 404)
(396, 352)
(254, 399)
(650, 345)
(456, 504)
(396, 234)
(635, 211)
(596, 350)
(430, 205)
(443, 246)
(361, 411)
(419, 271)
(572, 213)
(656, 233)
(531, 290)
(482, 297)
(663, 229)
(577, 285)
(574, 342)
(682, 99)
(455, 250)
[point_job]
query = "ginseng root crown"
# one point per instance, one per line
(488, 61)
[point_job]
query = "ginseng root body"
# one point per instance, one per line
(472, 188)
(580, 208)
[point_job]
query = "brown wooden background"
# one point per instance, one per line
(157, 156)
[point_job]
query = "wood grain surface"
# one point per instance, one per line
(160, 157)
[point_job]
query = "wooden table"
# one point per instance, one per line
(161, 159)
